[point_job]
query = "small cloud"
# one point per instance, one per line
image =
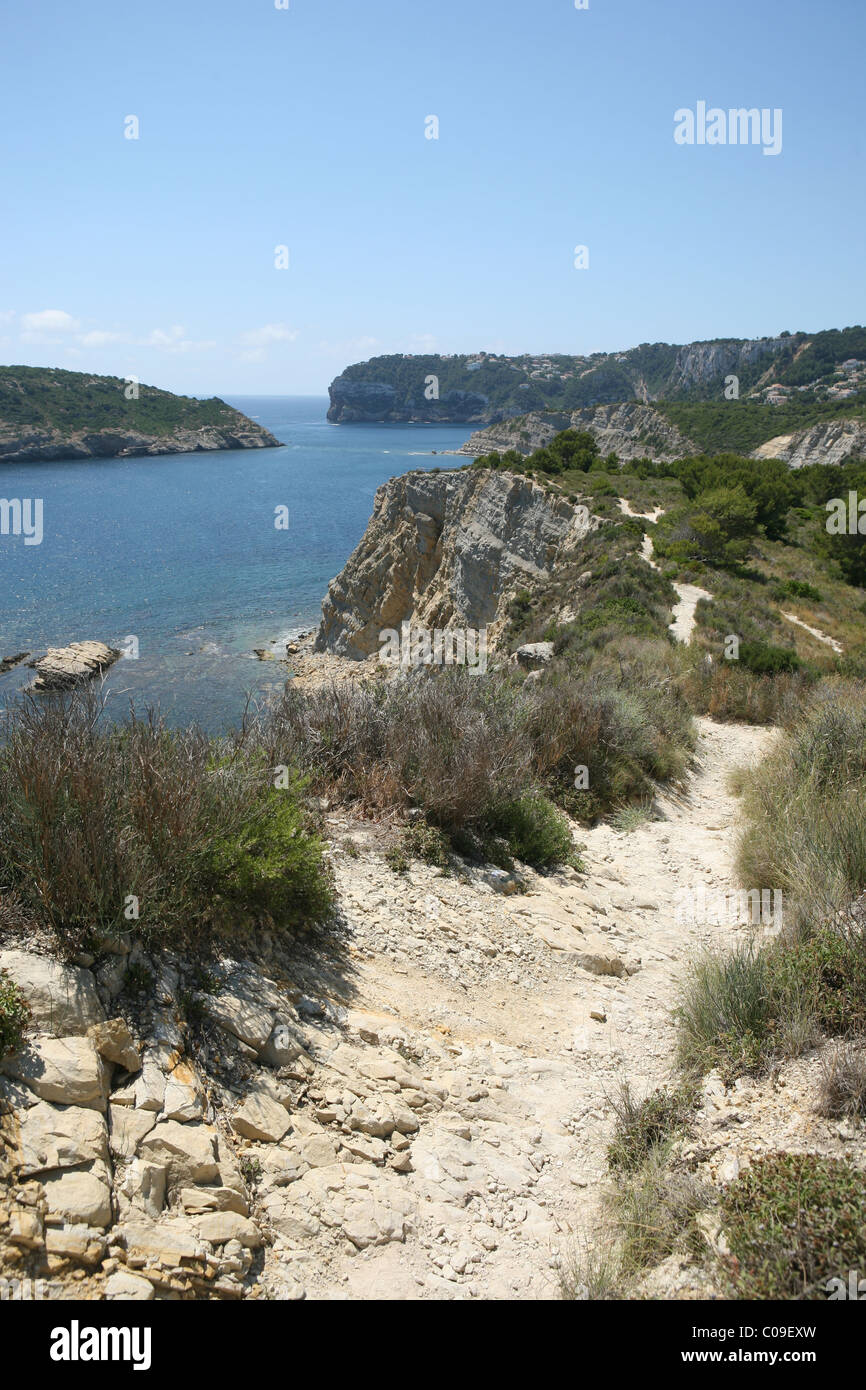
(45, 325)
(98, 337)
(267, 334)
(173, 340)
(256, 341)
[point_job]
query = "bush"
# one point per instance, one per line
(534, 830)
(642, 1126)
(426, 842)
(764, 659)
(195, 829)
(480, 744)
(14, 1015)
(655, 1210)
(793, 1222)
(843, 1083)
(726, 1015)
(805, 831)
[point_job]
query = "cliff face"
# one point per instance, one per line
(699, 366)
(445, 550)
(19, 445)
(631, 431)
(831, 442)
(359, 402)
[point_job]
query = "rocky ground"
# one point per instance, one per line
(414, 1105)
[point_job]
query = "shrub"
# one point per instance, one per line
(792, 1222)
(14, 1015)
(193, 828)
(843, 1083)
(725, 1015)
(655, 1209)
(765, 659)
(642, 1126)
(534, 830)
(426, 842)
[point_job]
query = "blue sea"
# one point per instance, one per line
(182, 553)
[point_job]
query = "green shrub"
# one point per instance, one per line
(642, 1126)
(14, 1015)
(535, 830)
(426, 842)
(792, 1222)
(725, 1016)
(764, 659)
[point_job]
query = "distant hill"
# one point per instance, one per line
(47, 413)
(484, 388)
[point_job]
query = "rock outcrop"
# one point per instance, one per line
(445, 550)
(23, 445)
(631, 431)
(62, 668)
(830, 442)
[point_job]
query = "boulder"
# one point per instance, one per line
(63, 998)
(66, 1070)
(123, 1287)
(187, 1151)
(533, 655)
(80, 1244)
(261, 1117)
(81, 1198)
(127, 1127)
(113, 1041)
(62, 668)
(219, 1227)
(52, 1136)
(199, 1201)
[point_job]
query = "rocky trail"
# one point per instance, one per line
(689, 595)
(418, 1108)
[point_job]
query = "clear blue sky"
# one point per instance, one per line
(305, 127)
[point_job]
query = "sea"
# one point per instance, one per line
(181, 553)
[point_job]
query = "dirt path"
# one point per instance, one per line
(517, 1016)
(815, 632)
(689, 595)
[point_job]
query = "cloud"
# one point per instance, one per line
(256, 341)
(174, 340)
(98, 337)
(269, 333)
(45, 326)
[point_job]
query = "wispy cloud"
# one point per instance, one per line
(256, 341)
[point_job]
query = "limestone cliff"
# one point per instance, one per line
(445, 550)
(830, 442)
(630, 431)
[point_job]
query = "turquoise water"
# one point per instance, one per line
(182, 552)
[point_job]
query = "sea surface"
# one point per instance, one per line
(181, 552)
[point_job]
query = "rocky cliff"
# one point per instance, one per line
(630, 431)
(484, 387)
(830, 442)
(640, 431)
(359, 402)
(445, 550)
(32, 445)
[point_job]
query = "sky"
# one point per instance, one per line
(306, 128)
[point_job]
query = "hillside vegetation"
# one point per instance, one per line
(52, 399)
